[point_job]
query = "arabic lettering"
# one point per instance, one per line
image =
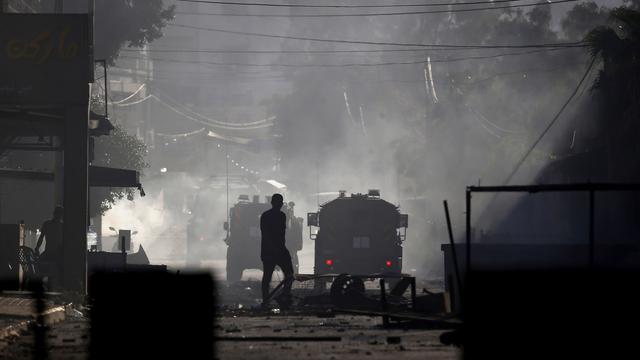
(47, 45)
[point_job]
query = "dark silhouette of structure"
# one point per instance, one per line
(52, 231)
(273, 225)
(149, 313)
(34, 92)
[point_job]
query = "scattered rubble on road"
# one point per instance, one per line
(243, 330)
(271, 336)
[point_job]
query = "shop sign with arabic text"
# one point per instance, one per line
(44, 59)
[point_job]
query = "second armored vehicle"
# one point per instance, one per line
(243, 239)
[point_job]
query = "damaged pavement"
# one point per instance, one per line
(243, 330)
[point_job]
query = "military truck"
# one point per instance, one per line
(358, 234)
(244, 236)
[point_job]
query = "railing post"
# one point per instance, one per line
(383, 300)
(592, 244)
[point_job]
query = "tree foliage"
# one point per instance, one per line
(582, 18)
(118, 150)
(120, 23)
(617, 45)
(132, 23)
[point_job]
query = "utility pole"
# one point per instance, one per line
(147, 119)
(58, 177)
(106, 90)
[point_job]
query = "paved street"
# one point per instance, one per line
(339, 337)
(360, 337)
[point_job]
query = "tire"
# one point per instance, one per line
(234, 270)
(347, 290)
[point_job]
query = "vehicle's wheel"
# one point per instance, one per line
(234, 270)
(346, 290)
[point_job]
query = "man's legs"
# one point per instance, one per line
(287, 268)
(267, 273)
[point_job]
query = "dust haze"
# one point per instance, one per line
(418, 124)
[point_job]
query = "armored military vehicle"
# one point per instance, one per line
(358, 234)
(243, 239)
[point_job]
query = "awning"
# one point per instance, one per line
(99, 124)
(99, 176)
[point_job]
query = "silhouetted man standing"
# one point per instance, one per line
(51, 230)
(273, 224)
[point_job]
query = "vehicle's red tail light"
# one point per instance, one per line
(328, 262)
(388, 263)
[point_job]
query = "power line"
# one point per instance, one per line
(555, 118)
(179, 75)
(201, 119)
(424, 12)
(204, 120)
(136, 102)
(518, 72)
(130, 96)
(481, 57)
(222, 51)
(342, 41)
(182, 135)
(345, 6)
(223, 75)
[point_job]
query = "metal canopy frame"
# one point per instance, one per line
(591, 188)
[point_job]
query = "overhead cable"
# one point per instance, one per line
(183, 135)
(413, 62)
(555, 118)
(222, 51)
(192, 115)
(364, 42)
(246, 125)
(130, 96)
(477, 2)
(423, 12)
(204, 122)
(178, 76)
(133, 102)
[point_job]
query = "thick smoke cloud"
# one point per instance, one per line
(418, 132)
